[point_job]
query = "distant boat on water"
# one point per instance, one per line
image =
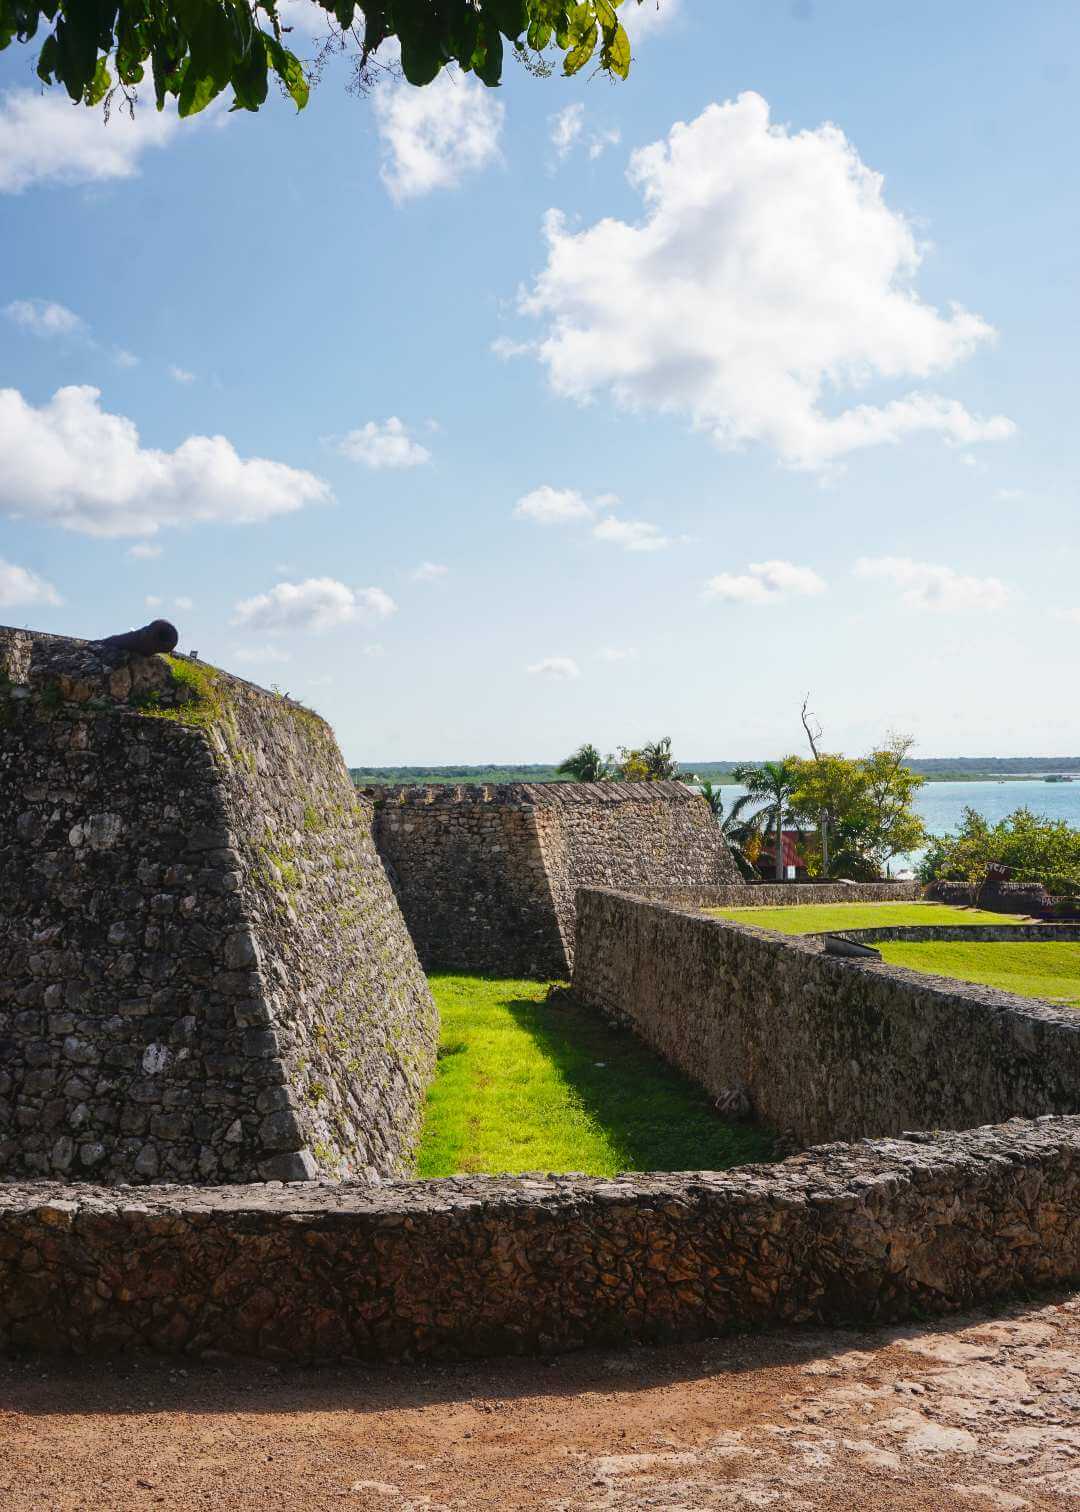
(1057, 777)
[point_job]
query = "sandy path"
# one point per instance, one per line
(982, 1412)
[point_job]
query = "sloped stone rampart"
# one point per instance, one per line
(828, 1048)
(865, 1233)
(487, 875)
(203, 972)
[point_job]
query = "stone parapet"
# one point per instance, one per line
(866, 1233)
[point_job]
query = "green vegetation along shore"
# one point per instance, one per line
(935, 769)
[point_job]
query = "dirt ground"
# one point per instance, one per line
(979, 1412)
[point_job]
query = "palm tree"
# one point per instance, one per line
(713, 796)
(585, 765)
(775, 782)
(738, 832)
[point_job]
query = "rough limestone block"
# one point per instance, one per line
(204, 975)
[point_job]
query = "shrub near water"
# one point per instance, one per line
(527, 1084)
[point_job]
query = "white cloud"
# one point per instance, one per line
(643, 20)
(125, 359)
(631, 535)
(556, 669)
(554, 506)
(180, 375)
(46, 139)
(1069, 616)
(183, 602)
(375, 649)
(384, 445)
(600, 141)
(618, 654)
(433, 137)
(565, 128)
(254, 655)
(926, 586)
(44, 317)
(1010, 495)
(767, 277)
(303, 19)
(18, 585)
(428, 572)
(153, 601)
(504, 347)
(314, 604)
(142, 551)
(765, 583)
(72, 463)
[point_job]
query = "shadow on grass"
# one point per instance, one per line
(656, 1118)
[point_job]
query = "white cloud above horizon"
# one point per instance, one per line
(649, 17)
(44, 317)
(383, 444)
(257, 655)
(428, 572)
(765, 583)
(631, 535)
(566, 129)
(557, 506)
(19, 585)
(180, 375)
(767, 277)
(69, 462)
(143, 551)
(44, 139)
(434, 137)
(316, 604)
(925, 585)
(556, 669)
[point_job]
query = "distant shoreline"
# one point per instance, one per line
(934, 769)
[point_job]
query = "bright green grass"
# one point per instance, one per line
(810, 918)
(1051, 970)
(529, 1085)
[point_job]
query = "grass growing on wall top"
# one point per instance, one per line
(811, 918)
(1026, 967)
(529, 1085)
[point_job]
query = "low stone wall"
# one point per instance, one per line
(783, 894)
(483, 1266)
(828, 1048)
(1001, 934)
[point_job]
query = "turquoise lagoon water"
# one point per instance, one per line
(942, 804)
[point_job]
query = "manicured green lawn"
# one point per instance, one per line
(1028, 968)
(527, 1085)
(810, 918)
(1033, 970)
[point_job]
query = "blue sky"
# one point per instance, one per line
(784, 400)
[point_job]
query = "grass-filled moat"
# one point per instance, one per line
(528, 1084)
(1049, 970)
(811, 918)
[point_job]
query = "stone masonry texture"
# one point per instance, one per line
(487, 876)
(826, 1048)
(865, 1233)
(204, 975)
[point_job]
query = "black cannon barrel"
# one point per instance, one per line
(158, 635)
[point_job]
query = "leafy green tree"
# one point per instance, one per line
(713, 796)
(776, 782)
(194, 49)
(586, 765)
(653, 762)
(1034, 847)
(894, 827)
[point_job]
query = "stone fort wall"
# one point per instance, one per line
(828, 1048)
(487, 875)
(204, 975)
(866, 1233)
